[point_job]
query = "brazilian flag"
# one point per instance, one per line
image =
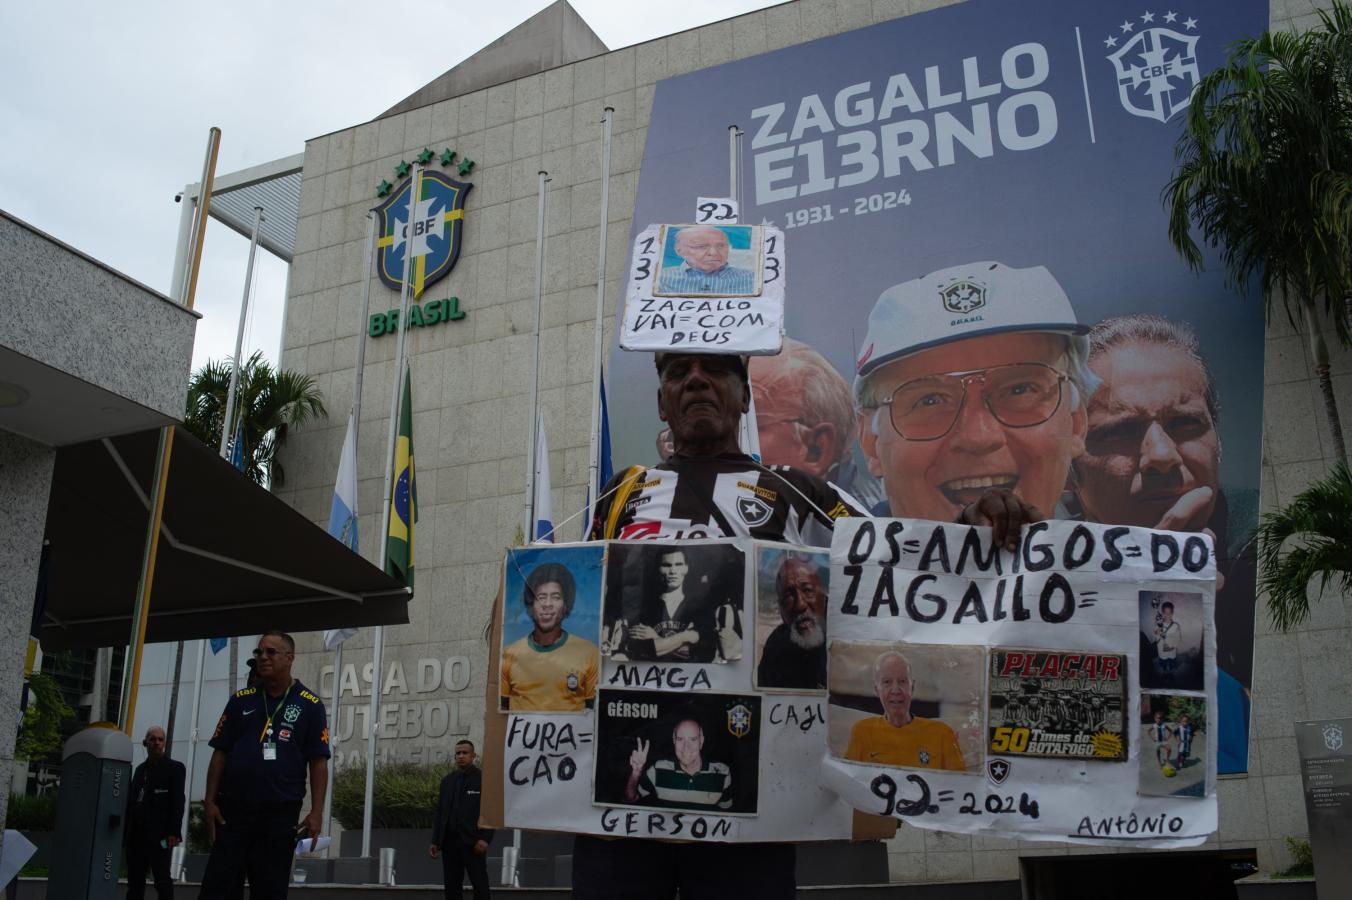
(404, 503)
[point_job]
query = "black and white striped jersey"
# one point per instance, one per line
(723, 496)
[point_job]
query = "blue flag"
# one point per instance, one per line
(218, 644)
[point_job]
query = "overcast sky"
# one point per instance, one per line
(104, 111)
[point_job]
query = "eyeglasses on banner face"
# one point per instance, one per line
(1018, 395)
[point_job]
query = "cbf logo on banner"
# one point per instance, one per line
(1157, 66)
(438, 227)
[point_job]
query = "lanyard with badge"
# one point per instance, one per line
(265, 738)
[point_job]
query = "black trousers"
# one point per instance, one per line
(259, 843)
(145, 854)
(656, 870)
(459, 860)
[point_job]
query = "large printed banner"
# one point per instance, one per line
(1010, 693)
(983, 291)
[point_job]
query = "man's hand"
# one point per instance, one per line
(212, 814)
(311, 825)
(480, 847)
(1004, 512)
(433, 850)
(1189, 512)
(639, 758)
(643, 633)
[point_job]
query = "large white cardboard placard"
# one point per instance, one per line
(550, 760)
(1096, 592)
(750, 322)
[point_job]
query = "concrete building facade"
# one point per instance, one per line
(471, 395)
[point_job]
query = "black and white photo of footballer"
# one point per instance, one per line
(1172, 632)
(674, 602)
(697, 752)
(1057, 703)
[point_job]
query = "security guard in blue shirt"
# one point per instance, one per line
(267, 740)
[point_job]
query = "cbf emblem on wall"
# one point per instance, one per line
(439, 225)
(1156, 66)
(1333, 737)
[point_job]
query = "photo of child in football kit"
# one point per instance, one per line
(791, 592)
(545, 666)
(678, 602)
(906, 705)
(1173, 745)
(699, 752)
(1171, 640)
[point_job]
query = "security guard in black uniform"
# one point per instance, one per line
(154, 818)
(265, 742)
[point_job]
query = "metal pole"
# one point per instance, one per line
(733, 133)
(239, 335)
(187, 218)
(594, 446)
(199, 231)
(397, 392)
(361, 325)
(529, 528)
(140, 614)
(356, 431)
(334, 728)
(141, 611)
(188, 764)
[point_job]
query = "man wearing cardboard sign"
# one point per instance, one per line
(973, 378)
(709, 488)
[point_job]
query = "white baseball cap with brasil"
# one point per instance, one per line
(961, 302)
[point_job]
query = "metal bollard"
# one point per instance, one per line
(387, 866)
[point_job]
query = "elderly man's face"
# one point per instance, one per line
(154, 742)
(548, 608)
(702, 397)
(1151, 438)
(705, 250)
(802, 604)
(894, 688)
(935, 479)
(689, 741)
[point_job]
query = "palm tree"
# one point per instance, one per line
(268, 402)
(1319, 522)
(1265, 173)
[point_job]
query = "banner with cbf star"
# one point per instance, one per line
(438, 226)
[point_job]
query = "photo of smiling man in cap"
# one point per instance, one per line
(973, 379)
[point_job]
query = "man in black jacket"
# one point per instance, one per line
(154, 818)
(456, 835)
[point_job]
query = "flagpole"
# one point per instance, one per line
(356, 431)
(141, 610)
(529, 531)
(226, 430)
(383, 537)
(594, 448)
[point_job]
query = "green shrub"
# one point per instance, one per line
(198, 841)
(1302, 859)
(404, 795)
(28, 813)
